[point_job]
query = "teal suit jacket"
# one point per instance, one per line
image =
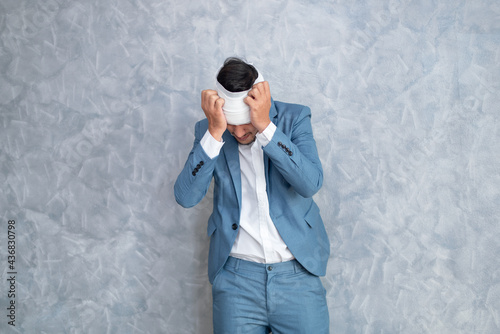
(293, 175)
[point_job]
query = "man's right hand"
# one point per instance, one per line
(212, 104)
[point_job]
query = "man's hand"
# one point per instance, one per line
(212, 104)
(259, 101)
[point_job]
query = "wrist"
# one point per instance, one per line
(216, 133)
(263, 125)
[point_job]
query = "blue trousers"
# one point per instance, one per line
(255, 298)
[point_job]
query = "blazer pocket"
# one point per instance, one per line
(312, 216)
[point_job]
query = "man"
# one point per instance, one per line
(268, 244)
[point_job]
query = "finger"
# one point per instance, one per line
(254, 93)
(257, 88)
(206, 95)
(250, 100)
(260, 89)
(208, 92)
(262, 86)
(219, 103)
(251, 95)
(267, 90)
(263, 89)
(212, 99)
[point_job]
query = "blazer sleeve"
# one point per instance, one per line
(296, 157)
(194, 180)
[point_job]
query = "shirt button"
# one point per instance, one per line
(235, 226)
(270, 268)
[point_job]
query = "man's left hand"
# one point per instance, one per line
(259, 101)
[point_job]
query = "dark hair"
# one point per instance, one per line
(236, 75)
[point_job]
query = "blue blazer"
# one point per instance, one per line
(293, 175)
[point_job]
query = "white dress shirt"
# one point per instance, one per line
(258, 239)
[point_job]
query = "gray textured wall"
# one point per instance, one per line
(98, 100)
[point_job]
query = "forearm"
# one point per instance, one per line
(193, 181)
(296, 158)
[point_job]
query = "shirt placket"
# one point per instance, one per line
(262, 201)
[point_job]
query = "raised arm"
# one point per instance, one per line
(296, 156)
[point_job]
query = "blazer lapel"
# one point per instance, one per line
(231, 153)
(273, 115)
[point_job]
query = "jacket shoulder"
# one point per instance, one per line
(291, 110)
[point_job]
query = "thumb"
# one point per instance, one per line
(219, 103)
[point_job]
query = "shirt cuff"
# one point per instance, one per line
(267, 135)
(210, 145)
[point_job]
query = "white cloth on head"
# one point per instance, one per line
(236, 110)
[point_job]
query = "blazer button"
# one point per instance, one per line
(201, 163)
(290, 153)
(235, 226)
(280, 144)
(193, 173)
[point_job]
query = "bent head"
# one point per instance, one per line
(237, 76)
(244, 134)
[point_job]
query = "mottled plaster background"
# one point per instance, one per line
(98, 100)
